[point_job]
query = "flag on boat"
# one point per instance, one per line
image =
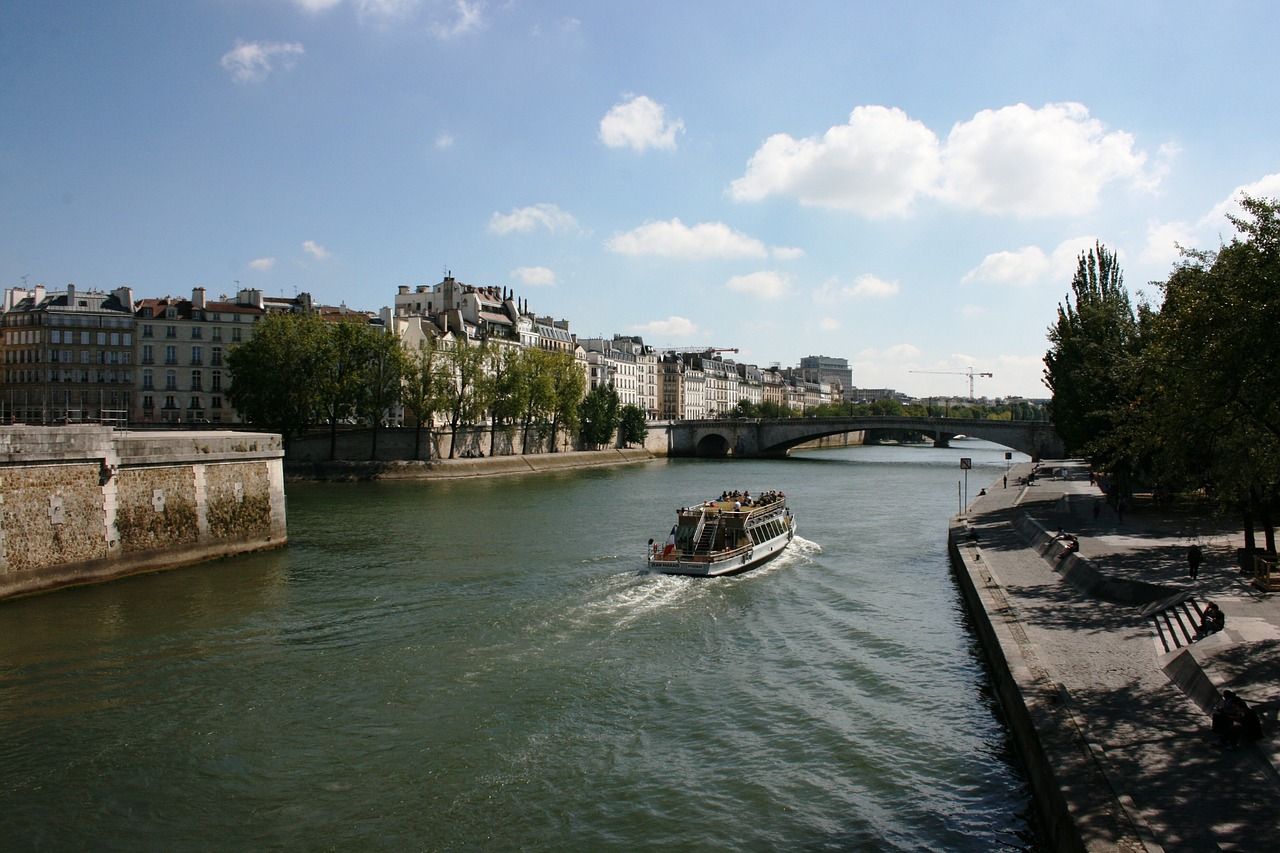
(671, 543)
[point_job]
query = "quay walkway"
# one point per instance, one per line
(1108, 696)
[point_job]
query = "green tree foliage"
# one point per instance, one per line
(1094, 335)
(633, 426)
(532, 392)
(600, 416)
(568, 382)
(345, 353)
(503, 375)
(466, 400)
(383, 383)
(272, 373)
(426, 384)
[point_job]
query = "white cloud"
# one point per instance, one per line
(638, 124)
(765, 284)
(876, 165)
(972, 311)
(315, 250)
(534, 276)
(865, 286)
(316, 5)
(1052, 161)
(262, 264)
(1210, 230)
(674, 239)
(829, 324)
(787, 253)
(254, 61)
(672, 327)
(444, 140)
(523, 220)
(1020, 268)
(466, 17)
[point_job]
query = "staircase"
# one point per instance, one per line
(1175, 625)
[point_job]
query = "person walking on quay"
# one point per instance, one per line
(1194, 558)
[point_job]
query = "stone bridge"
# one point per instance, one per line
(776, 436)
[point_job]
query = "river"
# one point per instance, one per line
(483, 665)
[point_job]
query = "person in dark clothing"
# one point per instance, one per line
(1194, 558)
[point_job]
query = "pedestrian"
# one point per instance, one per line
(1006, 481)
(1097, 510)
(1194, 558)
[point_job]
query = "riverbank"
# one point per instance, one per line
(453, 469)
(1107, 698)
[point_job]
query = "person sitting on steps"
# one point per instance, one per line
(1212, 620)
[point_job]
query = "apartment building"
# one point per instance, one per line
(182, 349)
(67, 355)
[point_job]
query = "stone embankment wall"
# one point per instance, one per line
(80, 504)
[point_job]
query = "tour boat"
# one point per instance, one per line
(725, 536)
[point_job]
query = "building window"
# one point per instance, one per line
(170, 331)
(217, 381)
(215, 357)
(197, 381)
(148, 381)
(171, 355)
(217, 330)
(148, 356)
(171, 380)
(148, 331)
(196, 333)
(197, 355)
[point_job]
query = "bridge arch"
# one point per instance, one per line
(713, 445)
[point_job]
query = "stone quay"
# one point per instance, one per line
(1088, 619)
(81, 504)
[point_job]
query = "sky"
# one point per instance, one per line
(906, 185)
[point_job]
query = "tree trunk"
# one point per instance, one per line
(333, 439)
(373, 443)
(417, 441)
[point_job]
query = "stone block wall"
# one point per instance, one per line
(83, 504)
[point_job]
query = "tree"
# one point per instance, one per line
(1089, 342)
(633, 425)
(272, 373)
(383, 383)
(567, 385)
(466, 362)
(600, 417)
(503, 375)
(532, 391)
(345, 355)
(425, 385)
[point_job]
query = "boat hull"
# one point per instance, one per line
(728, 564)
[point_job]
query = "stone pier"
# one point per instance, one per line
(80, 504)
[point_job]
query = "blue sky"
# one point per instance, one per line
(902, 184)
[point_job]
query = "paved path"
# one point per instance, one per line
(1149, 742)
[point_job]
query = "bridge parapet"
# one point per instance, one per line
(762, 437)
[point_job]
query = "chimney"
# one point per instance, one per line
(197, 298)
(71, 296)
(404, 288)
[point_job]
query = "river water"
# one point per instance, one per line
(483, 665)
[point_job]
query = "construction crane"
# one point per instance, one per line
(968, 373)
(694, 350)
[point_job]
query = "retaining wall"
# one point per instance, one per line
(80, 504)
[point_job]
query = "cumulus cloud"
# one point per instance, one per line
(465, 17)
(829, 324)
(897, 352)
(316, 5)
(787, 253)
(534, 276)
(444, 140)
(876, 165)
(262, 264)
(1031, 264)
(638, 124)
(524, 220)
(1017, 160)
(865, 286)
(672, 327)
(315, 250)
(1052, 161)
(254, 61)
(1020, 268)
(674, 239)
(1207, 232)
(765, 284)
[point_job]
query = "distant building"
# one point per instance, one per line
(67, 356)
(833, 371)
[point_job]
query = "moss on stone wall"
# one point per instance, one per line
(142, 527)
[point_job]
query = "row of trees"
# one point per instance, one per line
(1021, 410)
(299, 371)
(1180, 397)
